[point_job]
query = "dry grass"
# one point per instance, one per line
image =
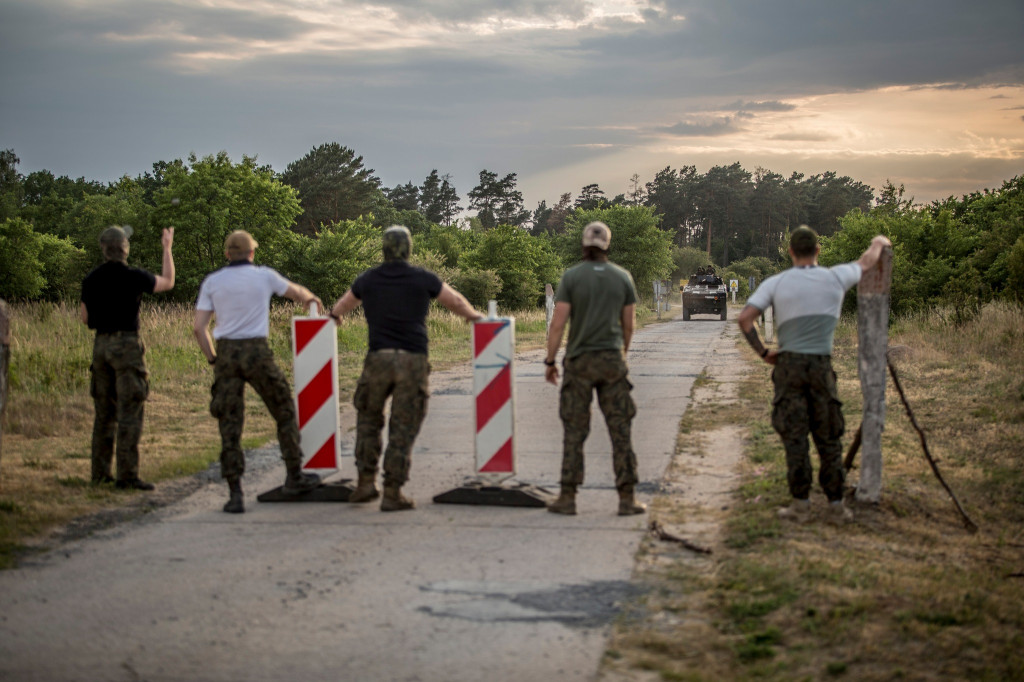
(45, 463)
(902, 594)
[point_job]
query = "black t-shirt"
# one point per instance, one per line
(396, 297)
(112, 293)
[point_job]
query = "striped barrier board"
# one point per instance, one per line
(494, 398)
(315, 349)
(494, 402)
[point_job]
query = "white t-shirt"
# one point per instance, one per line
(239, 296)
(807, 301)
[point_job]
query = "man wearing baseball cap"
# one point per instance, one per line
(111, 296)
(395, 296)
(807, 300)
(238, 295)
(598, 300)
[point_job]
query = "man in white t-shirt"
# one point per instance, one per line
(806, 300)
(239, 296)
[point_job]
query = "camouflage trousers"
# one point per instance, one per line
(242, 361)
(405, 377)
(805, 402)
(119, 387)
(605, 371)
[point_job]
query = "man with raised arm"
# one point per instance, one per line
(598, 300)
(396, 298)
(238, 295)
(807, 300)
(111, 295)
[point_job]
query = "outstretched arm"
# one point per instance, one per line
(558, 319)
(165, 280)
(201, 330)
(868, 259)
(300, 294)
(344, 305)
(628, 321)
(746, 321)
(457, 303)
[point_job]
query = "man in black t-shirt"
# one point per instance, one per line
(396, 298)
(111, 295)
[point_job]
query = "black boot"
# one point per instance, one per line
(234, 505)
(298, 482)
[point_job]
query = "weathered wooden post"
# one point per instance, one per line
(5, 358)
(873, 341)
(549, 303)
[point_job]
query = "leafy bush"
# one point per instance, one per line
(523, 263)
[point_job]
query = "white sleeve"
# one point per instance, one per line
(763, 295)
(278, 283)
(205, 300)
(848, 274)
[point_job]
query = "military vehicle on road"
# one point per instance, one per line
(705, 294)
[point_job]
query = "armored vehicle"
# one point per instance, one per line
(705, 294)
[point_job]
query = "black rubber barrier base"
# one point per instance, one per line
(519, 495)
(335, 491)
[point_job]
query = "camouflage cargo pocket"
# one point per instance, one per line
(216, 400)
(836, 421)
(362, 395)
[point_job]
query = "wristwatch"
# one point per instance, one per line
(549, 363)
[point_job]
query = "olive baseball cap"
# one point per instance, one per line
(239, 243)
(597, 234)
(397, 243)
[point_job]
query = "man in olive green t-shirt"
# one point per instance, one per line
(598, 300)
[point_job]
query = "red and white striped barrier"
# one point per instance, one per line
(494, 398)
(315, 349)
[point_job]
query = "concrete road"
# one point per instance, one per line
(344, 592)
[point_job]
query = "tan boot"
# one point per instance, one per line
(366, 489)
(393, 499)
(566, 502)
(627, 502)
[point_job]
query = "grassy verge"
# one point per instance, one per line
(45, 463)
(904, 593)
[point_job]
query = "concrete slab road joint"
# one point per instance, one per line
(342, 591)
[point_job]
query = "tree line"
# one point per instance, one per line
(319, 221)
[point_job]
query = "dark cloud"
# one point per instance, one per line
(77, 101)
(713, 127)
(769, 105)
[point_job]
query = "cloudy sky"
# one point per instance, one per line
(928, 93)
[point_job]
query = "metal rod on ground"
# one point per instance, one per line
(968, 523)
(852, 452)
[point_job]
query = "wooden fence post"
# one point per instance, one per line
(5, 358)
(549, 304)
(873, 342)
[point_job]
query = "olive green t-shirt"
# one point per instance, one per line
(597, 292)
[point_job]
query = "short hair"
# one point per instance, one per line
(803, 241)
(114, 242)
(239, 244)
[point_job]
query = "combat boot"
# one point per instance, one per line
(566, 502)
(627, 502)
(234, 505)
(298, 482)
(366, 489)
(799, 511)
(838, 514)
(394, 500)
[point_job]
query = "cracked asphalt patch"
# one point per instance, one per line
(584, 605)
